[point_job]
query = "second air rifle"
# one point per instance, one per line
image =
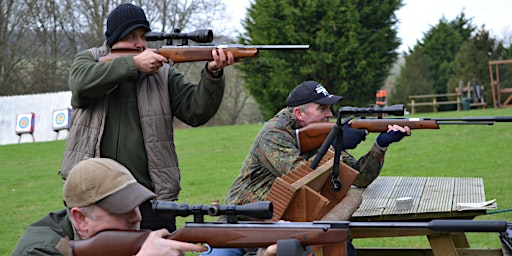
(260, 234)
(313, 135)
(178, 49)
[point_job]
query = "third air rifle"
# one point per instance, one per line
(183, 52)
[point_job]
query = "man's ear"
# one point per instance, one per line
(297, 112)
(80, 219)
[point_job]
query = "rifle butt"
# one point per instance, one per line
(313, 135)
(110, 243)
(116, 53)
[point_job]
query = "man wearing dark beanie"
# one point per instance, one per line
(124, 109)
(122, 20)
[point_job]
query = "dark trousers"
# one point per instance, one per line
(150, 221)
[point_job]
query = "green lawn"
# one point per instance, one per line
(210, 158)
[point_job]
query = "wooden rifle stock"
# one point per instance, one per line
(381, 125)
(219, 235)
(263, 234)
(179, 54)
(312, 136)
(111, 242)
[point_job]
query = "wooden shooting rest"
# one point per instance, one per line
(306, 195)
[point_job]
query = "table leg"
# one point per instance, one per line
(442, 245)
(460, 240)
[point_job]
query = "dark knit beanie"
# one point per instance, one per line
(123, 20)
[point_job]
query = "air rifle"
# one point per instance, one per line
(254, 234)
(183, 52)
(313, 135)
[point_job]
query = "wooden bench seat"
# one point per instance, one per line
(477, 98)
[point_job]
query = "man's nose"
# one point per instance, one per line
(141, 42)
(135, 215)
(328, 113)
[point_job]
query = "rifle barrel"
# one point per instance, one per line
(280, 47)
(476, 119)
(267, 47)
(466, 122)
(438, 225)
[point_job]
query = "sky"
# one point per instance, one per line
(417, 16)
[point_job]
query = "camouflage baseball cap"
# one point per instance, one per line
(106, 183)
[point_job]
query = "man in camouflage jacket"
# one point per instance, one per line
(275, 150)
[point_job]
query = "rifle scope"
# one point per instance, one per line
(199, 36)
(259, 210)
(395, 110)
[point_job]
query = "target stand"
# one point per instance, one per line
(25, 125)
(61, 120)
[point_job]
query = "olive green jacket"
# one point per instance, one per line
(49, 236)
(127, 116)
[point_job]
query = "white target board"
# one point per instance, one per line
(25, 123)
(61, 119)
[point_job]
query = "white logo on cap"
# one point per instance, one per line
(320, 89)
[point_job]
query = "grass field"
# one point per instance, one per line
(210, 158)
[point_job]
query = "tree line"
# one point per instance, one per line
(38, 41)
(450, 52)
(353, 45)
(352, 48)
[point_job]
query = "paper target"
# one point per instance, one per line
(61, 119)
(25, 123)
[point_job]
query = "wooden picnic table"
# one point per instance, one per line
(432, 198)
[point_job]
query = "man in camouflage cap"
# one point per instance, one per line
(275, 150)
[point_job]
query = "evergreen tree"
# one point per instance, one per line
(414, 79)
(440, 44)
(505, 70)
(352, 46)
(472, 60)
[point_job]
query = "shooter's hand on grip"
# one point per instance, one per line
(395, 133)
(156, 244)
(352, 137)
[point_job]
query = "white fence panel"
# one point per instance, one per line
(42, 105)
